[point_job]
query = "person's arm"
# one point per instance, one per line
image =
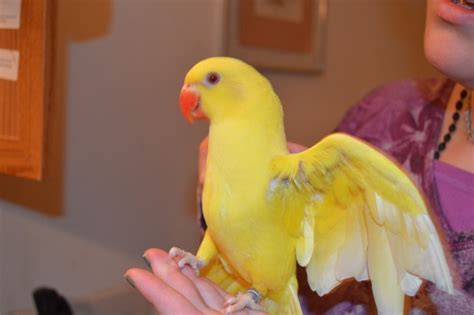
(202, 158)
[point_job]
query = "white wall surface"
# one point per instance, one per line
(130, 157)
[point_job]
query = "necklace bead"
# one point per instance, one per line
(452, 127)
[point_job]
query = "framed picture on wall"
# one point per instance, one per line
(277, 34)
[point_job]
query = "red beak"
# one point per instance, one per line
(189, 101)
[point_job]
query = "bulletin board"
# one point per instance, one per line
(25, 59)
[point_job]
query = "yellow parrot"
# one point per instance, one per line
(341, 209)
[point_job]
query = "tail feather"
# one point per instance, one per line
(217, 273)
(285, 302)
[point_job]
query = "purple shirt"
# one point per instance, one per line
(456, 195)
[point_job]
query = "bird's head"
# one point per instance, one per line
(219, 88)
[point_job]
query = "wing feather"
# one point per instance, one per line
(369, 219)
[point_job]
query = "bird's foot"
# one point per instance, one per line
(186, 259)
(249, 299)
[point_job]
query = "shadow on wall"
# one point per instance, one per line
(413, 13)
(86, 19)
(80, 20)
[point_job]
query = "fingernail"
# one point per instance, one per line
(130, 281)
(147, 262)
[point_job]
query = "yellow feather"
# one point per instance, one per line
(340, 208)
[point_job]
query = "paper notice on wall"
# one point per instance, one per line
(9, 61)
(10, 14)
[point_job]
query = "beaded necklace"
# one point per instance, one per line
(467, 119)
(463, 97)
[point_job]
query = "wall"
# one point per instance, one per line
(370, 42)
(130, 158)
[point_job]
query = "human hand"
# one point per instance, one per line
(172, 290)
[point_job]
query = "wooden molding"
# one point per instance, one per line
(23, 102)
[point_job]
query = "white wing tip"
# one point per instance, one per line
(446, 285)
(410, 284)
(322, 288)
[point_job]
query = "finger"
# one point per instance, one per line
(168, 271)
(165, 299)
(189, 272)
(213, 295)
(219, 290)
(295, 147)
(202, 281)
(210, 293)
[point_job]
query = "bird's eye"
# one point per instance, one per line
(213, 78)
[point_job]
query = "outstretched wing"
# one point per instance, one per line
(363, 218)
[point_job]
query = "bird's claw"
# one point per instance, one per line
(186, 259)
(249, 299)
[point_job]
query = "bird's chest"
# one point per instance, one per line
(232, 202)
(246, 231)
(234, 207)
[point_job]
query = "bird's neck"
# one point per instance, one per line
(241, 147)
